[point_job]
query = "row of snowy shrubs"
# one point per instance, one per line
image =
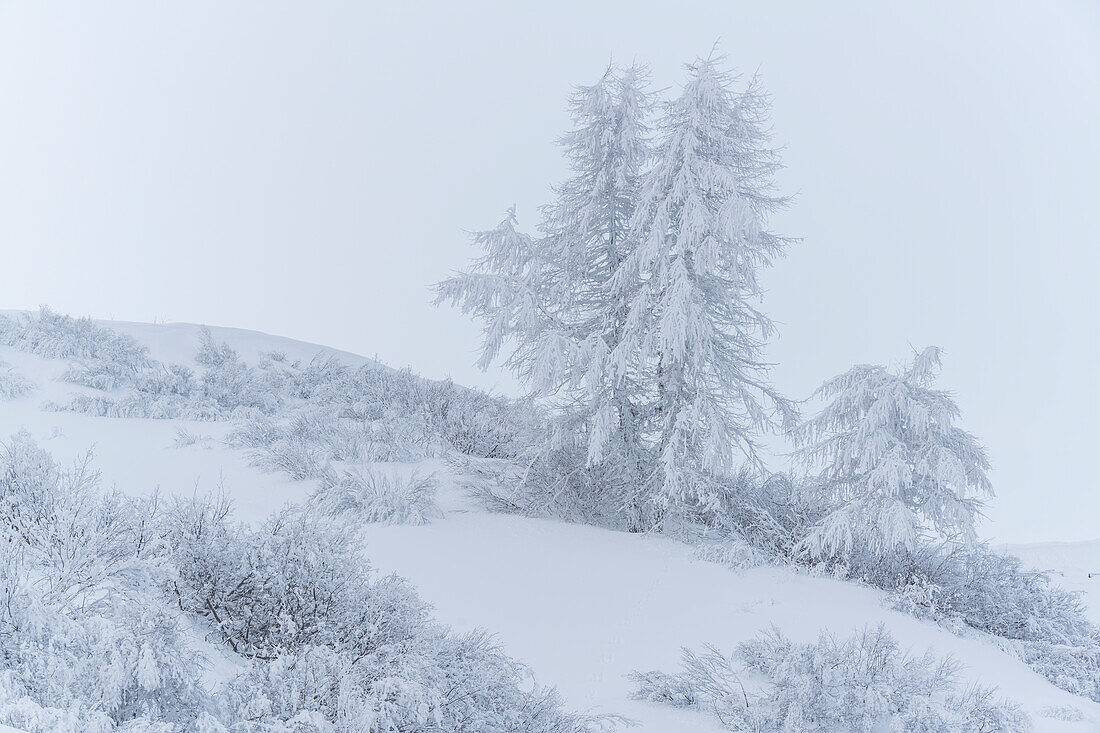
(967, 587)
(55, 336)
(291, 412)
(863, 683)
(108, 605)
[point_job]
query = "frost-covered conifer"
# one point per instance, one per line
(587, 232)
(550, 296)
(692, 285)
(893, 460)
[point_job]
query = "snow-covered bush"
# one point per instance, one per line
(322, 410)
(441, 682)
(561, 483)
(475, 423)
(334, 647)
(863, 683)
(986, 590)
(769, 512)
(967, 588)
(300, 461)
(229, 383)
(13, 384)
(1062, 712)
(377, 496)
(374, 415)
(86, 636)
(56, 336)
(226, 389)
(1032, 617)
(1074, 666)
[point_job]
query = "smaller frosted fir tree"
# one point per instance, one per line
(893, 462)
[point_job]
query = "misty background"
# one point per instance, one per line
(308, 169)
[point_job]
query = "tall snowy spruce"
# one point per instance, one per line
(893, 461)
(692, 285)
(587, 233)
(550, 298)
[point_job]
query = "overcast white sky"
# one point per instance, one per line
(307, 169)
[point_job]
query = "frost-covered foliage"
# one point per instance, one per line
(633, 314)
(769, 512)
(863, 683)
(225, 388)
(552, 298)
(308, 414)
(87, 639)
(337, 648)
(100, 596)
(230, 384)
(973, 587)
(334, 414)
(558, 483)
(893, 461)
(13, 384)
(1062, 712)
(692, 285)
(377, 496)
(56, 336)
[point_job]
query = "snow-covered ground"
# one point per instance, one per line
(582, 606)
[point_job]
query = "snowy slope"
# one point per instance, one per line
(583, 606)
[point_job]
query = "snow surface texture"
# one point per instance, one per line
(583, 606)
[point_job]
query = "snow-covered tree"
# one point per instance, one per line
(550, 298)
(692, 284)
(893, 460)
(587, 233)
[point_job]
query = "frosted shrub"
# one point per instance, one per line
(298, 460)
(186, 438)
(964, 587)
(228, 382)
(56, 336)
(369, 414)
(441, 682)
(972, 587)
(334, 647)
(560, 483)
(992, 592)
(863, 683)
(1074, 666)
(377, 496)
(475, 423)
(771, 513)
(1062, 712)
(87, 639)
(13, 384)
